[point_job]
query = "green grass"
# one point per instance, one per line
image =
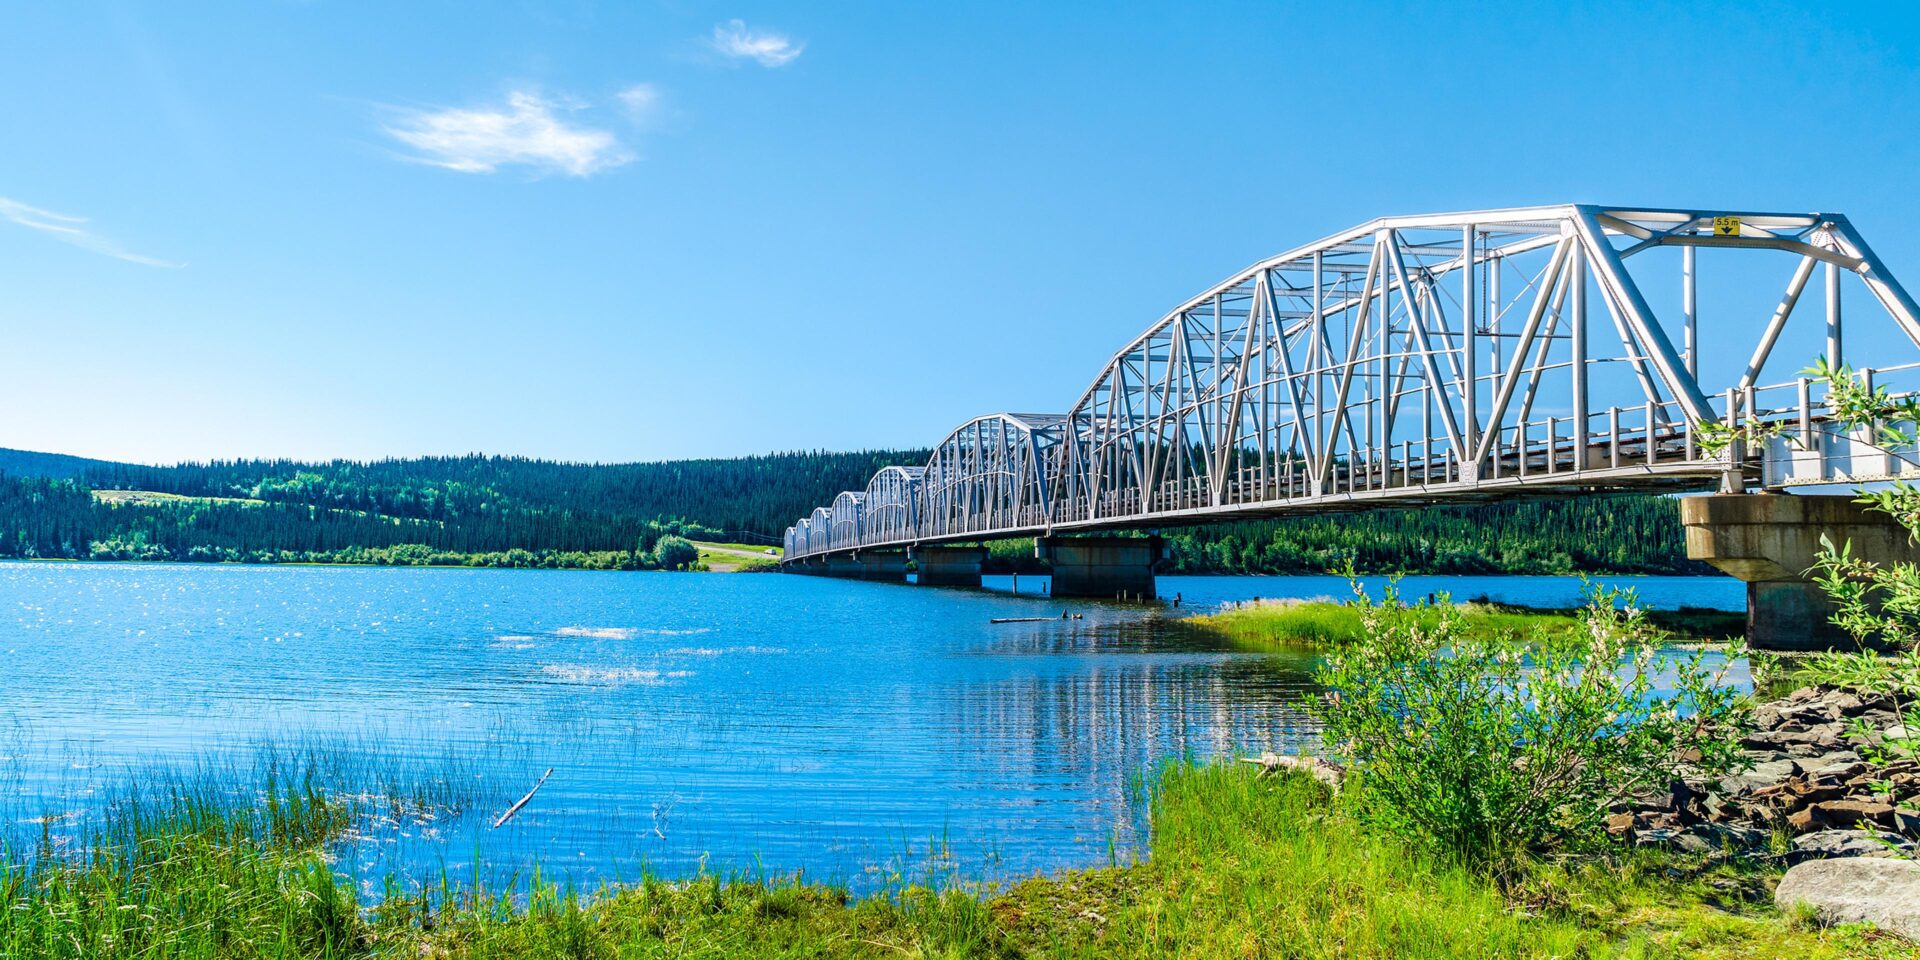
(219, 861)
(737, 557)
(754, 548)
(1280, 625)
(1291, 624)
(1241, 865)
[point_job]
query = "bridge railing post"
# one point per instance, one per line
(1613, 437)
(1652, 443)
(1806, 412)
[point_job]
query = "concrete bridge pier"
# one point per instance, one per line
(948, 566)
(1106, 567)
(889, 565)
(1770, 540)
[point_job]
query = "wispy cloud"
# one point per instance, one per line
(72, 229)
(642, 100)
(735, 42)
(528, 130)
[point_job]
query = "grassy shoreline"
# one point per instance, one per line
(1241, 865)
(1282, 625)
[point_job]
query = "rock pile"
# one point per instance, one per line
(1808, 779)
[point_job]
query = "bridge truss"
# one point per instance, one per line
(1423, 359)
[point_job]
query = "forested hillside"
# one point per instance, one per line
(761, 494)
(487, 511)
(30, 463)
(508, 511)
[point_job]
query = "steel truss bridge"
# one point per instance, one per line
(1419, 360)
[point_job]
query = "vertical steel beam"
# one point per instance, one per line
(1835, 356)
(1577, 278)
(1469, 353)
(1689, 305)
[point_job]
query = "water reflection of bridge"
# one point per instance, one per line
(1412, 361)
(1145, 699)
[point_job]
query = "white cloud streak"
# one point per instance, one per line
(735, 42)
(527, 131)
(71, 229)
(641, 101)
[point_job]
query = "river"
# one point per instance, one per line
(861, 733)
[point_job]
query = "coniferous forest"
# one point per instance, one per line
(509, 511)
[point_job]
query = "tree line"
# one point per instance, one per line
(512, 511)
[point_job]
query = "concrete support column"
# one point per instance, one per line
(1770, 540)
(860, 565)
(888, 565)
(1106, 567)
(948, 566)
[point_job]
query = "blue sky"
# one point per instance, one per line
(617, 231)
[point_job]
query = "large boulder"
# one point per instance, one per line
(1883, 892)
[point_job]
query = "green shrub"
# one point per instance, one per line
(1483, 752)
(675, 553)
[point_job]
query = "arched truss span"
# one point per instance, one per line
(993, 473)
(1417, 359)
(892, 504)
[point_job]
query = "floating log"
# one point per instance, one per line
(523, 800)
(1325, 771)
(1021, 620)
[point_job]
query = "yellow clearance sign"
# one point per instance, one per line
(1726, 226)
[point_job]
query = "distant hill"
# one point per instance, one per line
(60, 466)
(482, 510)
(755, 494)
(522, 512)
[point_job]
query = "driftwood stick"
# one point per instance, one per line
(523, 800)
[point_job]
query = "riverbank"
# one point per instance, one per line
(1241, 864)
(1280, 625)
(717, 558)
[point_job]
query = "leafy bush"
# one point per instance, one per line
(1484, 750)
(675, 553)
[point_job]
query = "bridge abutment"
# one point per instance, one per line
(1102, 566)
(1769, 541)
(948, 566)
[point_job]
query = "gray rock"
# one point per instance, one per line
(1827, 769)
(1826, 735)
(1844, 703)
(1848, 843)
(1762, 775)
(1732, 836)
(1830, 758)
(1685, 841)
(1803, 694)
(1885, 893)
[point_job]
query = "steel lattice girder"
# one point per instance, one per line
(1409, 359)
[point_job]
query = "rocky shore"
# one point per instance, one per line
(1809, 793)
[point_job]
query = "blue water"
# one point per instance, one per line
(858, 732)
